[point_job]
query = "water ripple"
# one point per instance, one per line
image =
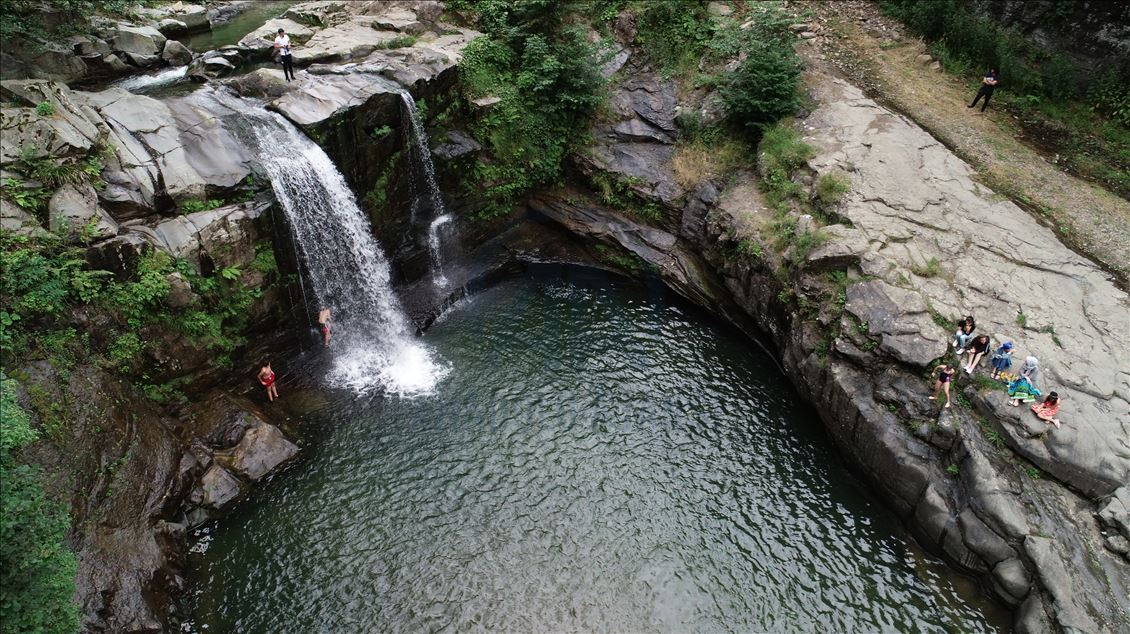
(596, 461)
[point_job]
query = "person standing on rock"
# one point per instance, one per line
(945, 374)
(324, 320)
(964, 333)
(282, 45)
(977, 349)
(267, 379)
(988, 85)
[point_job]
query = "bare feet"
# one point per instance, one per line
(947, 404)
(933, 398)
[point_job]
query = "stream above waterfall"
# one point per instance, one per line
(601, 457)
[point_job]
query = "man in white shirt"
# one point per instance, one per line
(282, 45)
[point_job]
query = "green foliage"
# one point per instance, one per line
(780, 153)
(35, 19)
(930, 269)
(953, 470)
(623, 259)
(763, 89)
(31, 199)
(381, 132)
(749, 248)
(264, 261)
(37, 571)
(193, 206)
(139, 299)
(544, 74)
(1034, 473)
(831, 187)
(45, 109)
(672, 33)
(400, 41)
(1021, 319)
(125, 349)
(618, 193)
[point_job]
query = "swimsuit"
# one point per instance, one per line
(269, 381)
(945, 377)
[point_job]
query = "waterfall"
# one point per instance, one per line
(431, 195)
(372, 344)
(435, 243)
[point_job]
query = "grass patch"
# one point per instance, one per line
(831, 188)
(982, 382)
(400, 41)
(930, 269)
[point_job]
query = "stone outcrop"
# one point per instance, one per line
(916, 240)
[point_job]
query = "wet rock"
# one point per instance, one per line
(73, 210)
(194, 16)
(144, 41)
(1030, 617)
(1068, 607)
(142, 61)
(457, 144)
(219, 488)
(261, 450)
(213, 239)
(89, 45)
(217, 66)
(982, 540)
(176, 54)
(118, 255)
(262, 83)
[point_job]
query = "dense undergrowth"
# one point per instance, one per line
(55, 308)
(540, 60)
(38, 20)
(1080, 113)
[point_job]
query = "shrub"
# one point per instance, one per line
(545, 74)
(45, 109)
(763, 88)
(830, 188)
(37, 571)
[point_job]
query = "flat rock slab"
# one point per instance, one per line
(914, 202)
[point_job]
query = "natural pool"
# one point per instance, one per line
(601, 457)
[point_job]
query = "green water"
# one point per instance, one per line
(598, 459)
(232, 31)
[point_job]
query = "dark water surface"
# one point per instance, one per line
(599, 459)
(232, 31)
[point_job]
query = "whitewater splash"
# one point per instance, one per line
(435, 249)
(373, 346)
(142, 83)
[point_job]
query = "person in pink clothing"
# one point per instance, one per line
(1047, 410)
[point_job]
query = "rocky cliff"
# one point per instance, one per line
(860, 319)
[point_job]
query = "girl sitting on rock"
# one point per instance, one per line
(1047, 410)
(1002, 360)
(977, 349)
(964, 333)
(1022, 390)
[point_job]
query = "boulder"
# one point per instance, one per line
(219, 489)
(262, 83)
(456, 144)
(264, 36)
(17, 221)
(1115, 513)
(180, 291)
(139, 40)
(194, 17)
(1011, 577)
(142, 61)
(261, 450)
(170, 27)
(399, 19)
(176, 54)
(74, 211)
(89, 45)
(217, 66)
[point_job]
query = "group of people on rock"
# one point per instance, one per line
(266, 374)
(1021, 386)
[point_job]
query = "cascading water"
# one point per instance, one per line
(144, 83)
(431, 195)
(435, 245)
(372, 343)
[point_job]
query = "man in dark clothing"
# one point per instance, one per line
(988, 85)
(282, 45)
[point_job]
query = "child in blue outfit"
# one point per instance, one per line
(1002, 360)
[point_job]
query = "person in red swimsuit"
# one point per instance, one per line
(324, 320)
(267, 378)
